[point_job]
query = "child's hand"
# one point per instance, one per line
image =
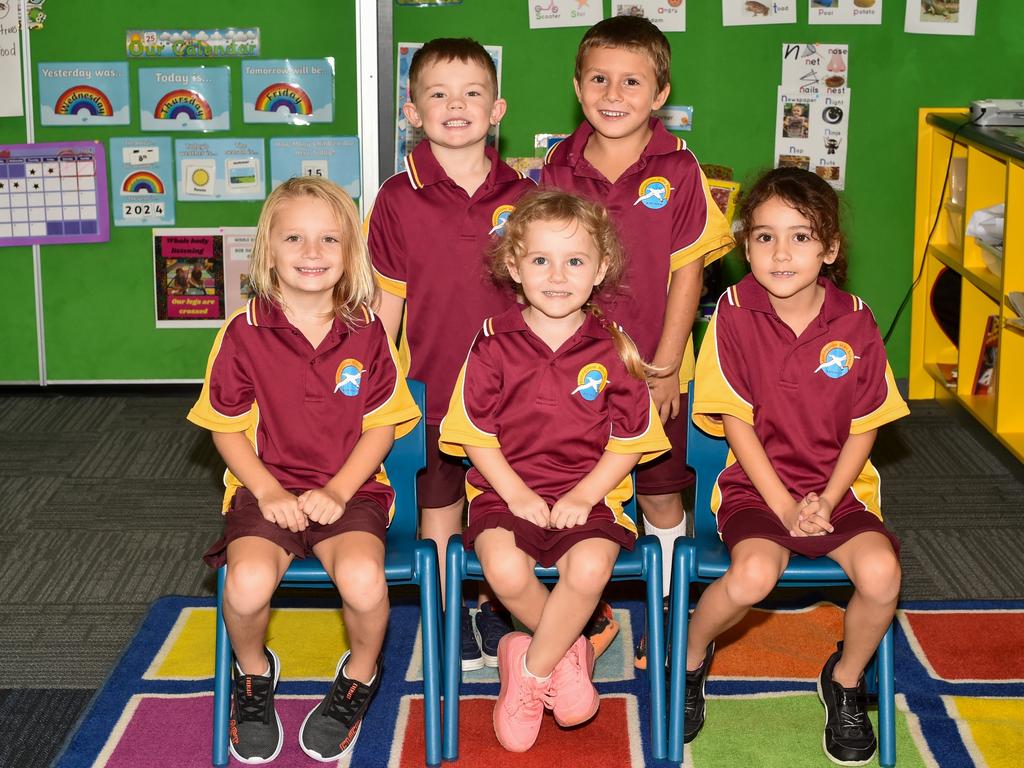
(815, 515)
(280, 507)
(665, 394)
(532, 508)
(321, 505)
(569, 511)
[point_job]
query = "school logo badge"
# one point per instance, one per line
(592, 379)
(836, 359)
(349, 377)
(654, 192)
(498, 219)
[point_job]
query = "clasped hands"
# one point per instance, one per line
(568, 512)
(811, 516)
(318, 505)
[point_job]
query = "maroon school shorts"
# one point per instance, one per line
(764, 524)
(668, 473)
(443, 482)
(244, 518)
(545, 545)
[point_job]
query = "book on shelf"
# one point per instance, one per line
(984, 377)
(1015, 301)
(949, 374)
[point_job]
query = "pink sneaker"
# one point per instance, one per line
(575, 698)
(520, 706)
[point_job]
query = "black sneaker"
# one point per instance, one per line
(492, 624)
(848, 738)
(329, 732)
(254, 732)
(471, 658)
(693, 718)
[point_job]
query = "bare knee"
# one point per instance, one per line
(750, 580)
(586, 575)
(507, 575)
(249, 585)
(361, 582)
(877, 576)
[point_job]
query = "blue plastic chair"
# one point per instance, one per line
(704, 558)
(642, 564)
(407, 560)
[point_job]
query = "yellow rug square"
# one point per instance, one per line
(309, 642)
(995, 726)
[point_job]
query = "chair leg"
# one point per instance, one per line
(656, 649)
(452, 647)
(429, 617)
(886, 701)
(221, 679)
(679, 617)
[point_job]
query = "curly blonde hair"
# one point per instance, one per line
(357, 290)
(549, 204)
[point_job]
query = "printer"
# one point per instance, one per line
(986, 112)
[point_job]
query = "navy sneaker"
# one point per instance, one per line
(493, 624)
(848, 738)
(471, 658)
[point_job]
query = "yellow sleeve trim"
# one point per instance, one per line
(892, 408)
(399, 409)
(650, 444)
(457, 429)
(390, 285)
(714, 242)
(216, 422)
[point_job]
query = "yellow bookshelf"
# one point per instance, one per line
(987, 168)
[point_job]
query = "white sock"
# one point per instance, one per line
(667, 537)
(344, 671)
(262, 674)
(535, 677)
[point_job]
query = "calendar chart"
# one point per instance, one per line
(53, 193)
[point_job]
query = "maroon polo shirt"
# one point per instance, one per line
(552, 414)
(804, 396)
(303, 409)
(428, 241)
(665, 216)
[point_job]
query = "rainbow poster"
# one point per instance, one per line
(297, 91)
(77, 93)
(185, 99)
(142, 181)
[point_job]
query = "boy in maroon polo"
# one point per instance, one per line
(670, 227)
(428, 232)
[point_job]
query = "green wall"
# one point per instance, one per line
(730, 75)
(98, 298)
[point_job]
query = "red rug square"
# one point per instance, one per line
(607, 740)
(968, 645)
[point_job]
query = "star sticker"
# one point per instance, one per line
(32, 172)
(17, 184)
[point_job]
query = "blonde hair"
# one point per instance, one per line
(356, 290)
(555, 205)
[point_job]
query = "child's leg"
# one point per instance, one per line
(355, 561)
(510, 573)
(255, 568)
(756, 567)
(583, 572)
(874, 569)
(439, 524)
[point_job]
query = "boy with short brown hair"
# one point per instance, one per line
(428, 233)
(623, 157)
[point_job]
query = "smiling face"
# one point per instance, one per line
(618, 90)
(784, 254)
(454, 102)
(306, 251)
(559, 270)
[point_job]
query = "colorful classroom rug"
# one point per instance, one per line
(959, 668)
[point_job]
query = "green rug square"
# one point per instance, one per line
(782, 730)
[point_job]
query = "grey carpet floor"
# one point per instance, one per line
(107, 498)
